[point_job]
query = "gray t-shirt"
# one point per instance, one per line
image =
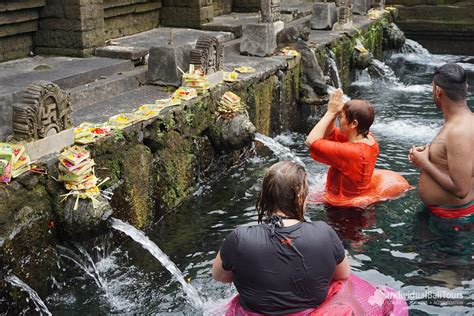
(284, 273)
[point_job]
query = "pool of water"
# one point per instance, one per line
(394, 243)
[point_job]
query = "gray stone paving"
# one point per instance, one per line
(160, 37)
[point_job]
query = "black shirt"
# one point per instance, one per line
(284, 273)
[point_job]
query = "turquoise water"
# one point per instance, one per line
(394, 243)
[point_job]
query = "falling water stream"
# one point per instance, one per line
(147, 244)
(39, 304)
(394, 243)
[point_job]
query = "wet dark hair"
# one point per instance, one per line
(453, 80)
(284, 188)
(363, 112)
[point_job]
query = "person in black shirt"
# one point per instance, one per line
(284, 264)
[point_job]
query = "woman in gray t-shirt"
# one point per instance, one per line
(284, 264)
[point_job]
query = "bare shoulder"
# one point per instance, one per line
(462, 130)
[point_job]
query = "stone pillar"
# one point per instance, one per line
(186, 13)
(344, 21)
(70, 28)
(270, 11)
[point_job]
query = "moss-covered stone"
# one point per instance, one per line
(260, 99)
(176, 170)
(132, 200)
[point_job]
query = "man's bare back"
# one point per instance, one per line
(432, 193)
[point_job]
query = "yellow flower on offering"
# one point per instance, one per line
(123, 120)
(244, 69)
(185, 93)
(230, 76)
(287, 51)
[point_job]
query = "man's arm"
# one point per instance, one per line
(459, 154)
(218, 272)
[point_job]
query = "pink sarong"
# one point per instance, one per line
(350, 297)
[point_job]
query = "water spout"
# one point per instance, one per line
(282, 152)
(156, 252)
(39, 304)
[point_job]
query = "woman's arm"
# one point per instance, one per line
(326, 125)
(343, 270)
(218, 272)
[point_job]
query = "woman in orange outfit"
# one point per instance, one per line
(350, 151)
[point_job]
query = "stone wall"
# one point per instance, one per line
(442, 26)
(222, 7)
(126, 17)
(18, 22)
(246, 5)
(190, 13)
(70, 28)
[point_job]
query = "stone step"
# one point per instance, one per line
(107, 86)
(129, 101)
(65, 72)
(160, 37)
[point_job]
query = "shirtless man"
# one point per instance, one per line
(446, 184)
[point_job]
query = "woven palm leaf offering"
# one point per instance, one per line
(230, 105)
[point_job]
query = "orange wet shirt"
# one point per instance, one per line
(352, 164)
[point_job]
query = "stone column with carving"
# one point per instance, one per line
(344, 21)
(70, 28)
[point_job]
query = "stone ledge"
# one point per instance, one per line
(18, 17)
(20, 5)
(18, 28)
(134, 8)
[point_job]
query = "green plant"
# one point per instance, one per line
(118, 135)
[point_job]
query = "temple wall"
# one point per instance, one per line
(190, 13)
(70, 27)
(246, 5)
(18, 23)
(126, 17)
(222, 7)
(442, 26)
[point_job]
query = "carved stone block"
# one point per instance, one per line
(324, 16)
(163, 63)
(208, 55)
(44, 111)
(260, 39)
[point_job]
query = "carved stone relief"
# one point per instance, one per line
(208, 55)
(45, 110)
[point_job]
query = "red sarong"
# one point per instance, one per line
(452, 211)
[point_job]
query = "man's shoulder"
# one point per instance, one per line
(462, 127)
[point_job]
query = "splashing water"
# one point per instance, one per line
(149, 245)
(409, 130)
(331, 89)
(39, 304)
(282, 152)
